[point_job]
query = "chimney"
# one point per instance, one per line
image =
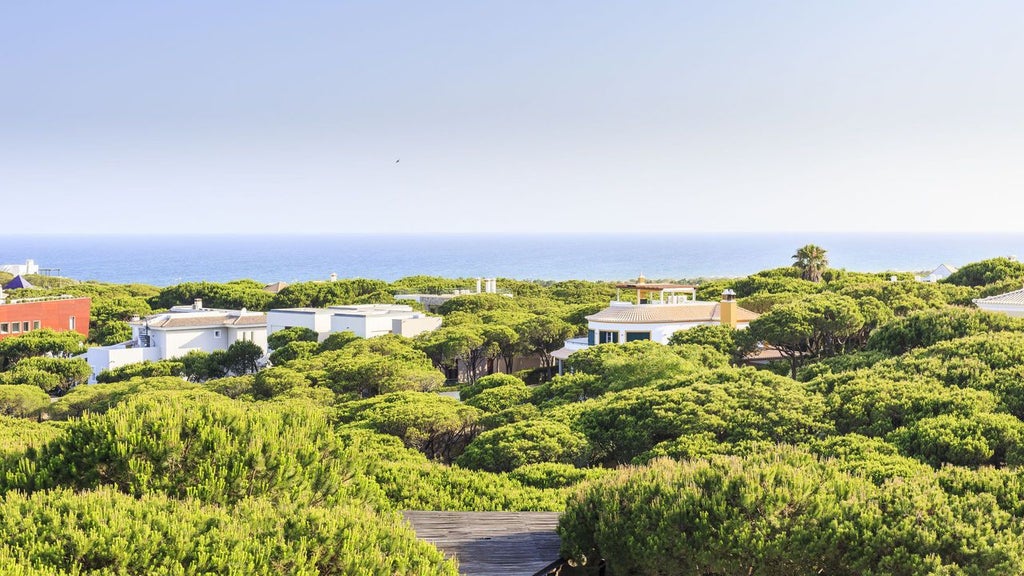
(334, 277)
(197, 304)
(727, 308)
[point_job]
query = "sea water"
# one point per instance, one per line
(165, 260)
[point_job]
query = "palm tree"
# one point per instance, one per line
(812, 261)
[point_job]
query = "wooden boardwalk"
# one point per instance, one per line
(492, 543)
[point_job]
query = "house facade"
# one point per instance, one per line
(60, 313)
(363, 320)
(181, 330)
(656, 317)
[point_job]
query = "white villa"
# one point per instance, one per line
(1011, 303)
(178, 331)
(29, 267)
(434, 301)
(941, 273)
(364, 320)
(663, 310)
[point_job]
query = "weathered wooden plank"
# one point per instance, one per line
(491, 543)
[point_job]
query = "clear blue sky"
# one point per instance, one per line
(537, 116)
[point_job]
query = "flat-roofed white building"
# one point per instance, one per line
(363, 320)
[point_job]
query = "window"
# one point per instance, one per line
(608, 336)
(24, 326)
(71, 323)
(634, 336)
(216, 333)
(35, 324)
(591, 337)
(5, 328)
(15, 327)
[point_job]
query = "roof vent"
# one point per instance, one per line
(197, 304)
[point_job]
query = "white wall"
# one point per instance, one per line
(105, 358)
(318, 321)
(255, 334)
(660, 332)
(412, 327)
(359, 325)
(174, 343)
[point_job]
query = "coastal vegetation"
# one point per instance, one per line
(888, 439)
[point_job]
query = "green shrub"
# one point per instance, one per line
(783, 513)
(490, 381)
(277, 381)
(104, 532)
(145, 369)
(22, 401)
(286, 336)
(500, 398)
(194, 443)
(98, 398)
(553, 474)
(532, 441)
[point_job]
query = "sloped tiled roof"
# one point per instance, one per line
(667, 314)
(1015, 298)
(275, 287)
(190, 321)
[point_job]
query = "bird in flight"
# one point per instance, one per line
(397, 161)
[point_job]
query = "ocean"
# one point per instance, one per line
(166, 260)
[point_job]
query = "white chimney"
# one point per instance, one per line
(334, 277)
(197, 304)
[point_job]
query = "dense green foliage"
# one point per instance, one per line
(785, 513)
(22, 400)
(52, 374)
(893, 448)
(294, 334)
(105, 532)
(39, 343)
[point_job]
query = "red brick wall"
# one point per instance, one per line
(52, 314)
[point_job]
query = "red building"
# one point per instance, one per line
(59, 313)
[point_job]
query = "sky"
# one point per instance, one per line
(514, 117)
